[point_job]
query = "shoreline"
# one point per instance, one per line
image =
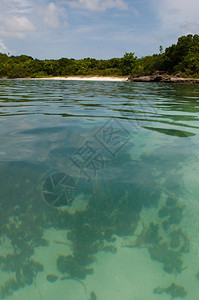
(162, 78)
(86, 78)
(144, 78)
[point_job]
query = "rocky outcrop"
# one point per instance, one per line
(162, 78)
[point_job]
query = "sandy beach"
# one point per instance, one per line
(87, 78)
(145, 78)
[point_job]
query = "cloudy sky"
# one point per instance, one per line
(93, 28)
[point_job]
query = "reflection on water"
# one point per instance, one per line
(129, 151)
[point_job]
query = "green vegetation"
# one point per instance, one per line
(26, 66)
(182, 59)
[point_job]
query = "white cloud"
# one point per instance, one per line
(189, 27)
(98, 5)
(16, 34)
(181, 15)
(52, 15)
(16, 6)
(176, 18)
(13, 19)
(3, 48)
(19, 24)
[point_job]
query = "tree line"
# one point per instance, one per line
(182, 58)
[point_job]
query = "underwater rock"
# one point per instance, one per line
(13, 284)
(197, 275)
(93, 296)
(24, 247)
(175, 239)
(179, 241)
(164, 212)
(171, 215)
(148, 236)
(69, 264)
(108, 235)
(109, 248)
(151, 234)
(87, 236)
(8, 288)
(30, 270)
(2, 260)
(52, 277)
(174, 213)
(173, 290)
(171, 259)
(12, 262)
(171, 202)
(123, 221)
(27, 272)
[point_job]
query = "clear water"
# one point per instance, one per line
(98, 190)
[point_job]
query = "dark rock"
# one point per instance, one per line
(171, 259)
(109, 248)
(175, 239)
(197, 275)
(173, 290)
(70, 264)
(52, 277)
(93, 296)
(174, 215)
(157, 78)
(171, 202)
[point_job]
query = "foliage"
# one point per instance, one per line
(128, 63)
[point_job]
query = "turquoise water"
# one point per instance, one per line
(98, 190)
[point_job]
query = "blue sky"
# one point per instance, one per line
(93, 28)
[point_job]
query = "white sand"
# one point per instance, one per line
(88, 78)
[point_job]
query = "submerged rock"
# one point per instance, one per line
(52, 277)
(93, 296)
(148, 236)
(179, 241)
(8, 288)
(197, 275)
(173, 290)
(69, 264)
(171, 202)
(171, 259)
(109, 248)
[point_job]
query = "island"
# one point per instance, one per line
(177, 63)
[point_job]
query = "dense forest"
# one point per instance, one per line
(181, 58)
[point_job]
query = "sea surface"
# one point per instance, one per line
(99, 190)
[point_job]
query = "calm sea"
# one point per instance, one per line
(99, 190)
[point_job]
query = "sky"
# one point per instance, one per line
(98, 29)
